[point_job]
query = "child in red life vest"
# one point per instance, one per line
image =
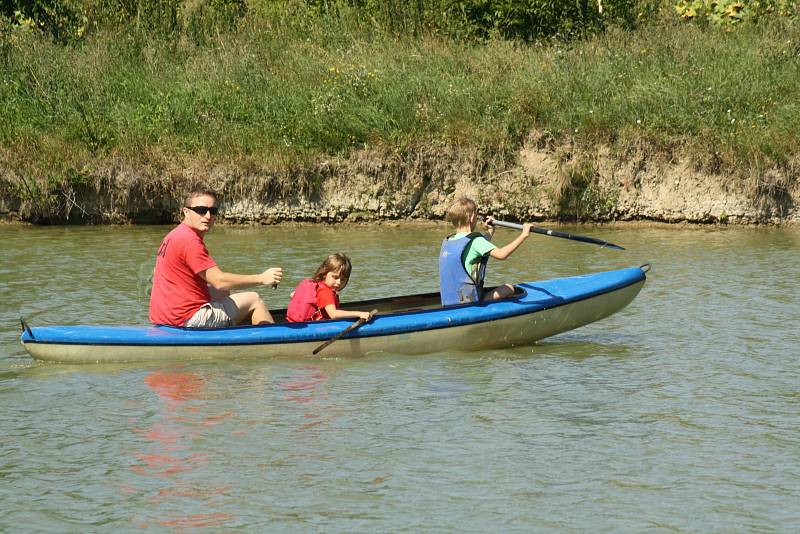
(317, 298)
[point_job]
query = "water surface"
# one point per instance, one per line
(679, 413)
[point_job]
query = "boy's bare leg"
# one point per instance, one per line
(500, 292)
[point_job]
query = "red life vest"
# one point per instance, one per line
(303, 305)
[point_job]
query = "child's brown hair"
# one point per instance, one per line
(337, 262)
(461, 211)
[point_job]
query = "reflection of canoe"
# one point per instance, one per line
(412, 324)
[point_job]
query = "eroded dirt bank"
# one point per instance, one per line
(535, 183)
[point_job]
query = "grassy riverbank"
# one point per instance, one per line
(287, 90)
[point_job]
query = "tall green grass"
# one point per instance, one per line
(290, 87)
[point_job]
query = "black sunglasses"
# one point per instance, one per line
(202, 210)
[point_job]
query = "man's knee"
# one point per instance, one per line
(246, 304)
(248, 301)
(258, 302)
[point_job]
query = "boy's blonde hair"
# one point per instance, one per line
(461, 211)
(337, 262)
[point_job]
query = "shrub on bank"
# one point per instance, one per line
(731, 12)
(69, 20)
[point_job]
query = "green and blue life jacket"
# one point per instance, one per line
(456, 285)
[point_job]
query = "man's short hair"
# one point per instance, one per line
(199, 191)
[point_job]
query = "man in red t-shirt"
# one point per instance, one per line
(189, 289)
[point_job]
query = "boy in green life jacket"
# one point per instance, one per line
(464, 255)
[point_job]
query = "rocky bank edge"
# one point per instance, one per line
(536, 183)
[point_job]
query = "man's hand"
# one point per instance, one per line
(272, 276)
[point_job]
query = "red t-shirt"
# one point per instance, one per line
(178, 291)
(326, 296)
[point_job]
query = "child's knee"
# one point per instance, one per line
(501, 292)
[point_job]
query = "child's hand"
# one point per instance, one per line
(526, 229)
(489, 222)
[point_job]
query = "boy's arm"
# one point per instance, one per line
(502, 253)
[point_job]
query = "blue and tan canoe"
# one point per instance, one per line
(405, 325)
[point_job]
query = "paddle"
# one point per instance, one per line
(345, 331)
(564, 235)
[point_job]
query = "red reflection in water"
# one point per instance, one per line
(165, 465)
(175, 386)
(308, 384)
(171, 457)
(197, 520)
(303, 384)
(306, 390)
(166, 435)
(187, 491)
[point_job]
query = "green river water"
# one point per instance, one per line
(681, 413)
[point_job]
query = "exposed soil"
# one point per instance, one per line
(536, 183)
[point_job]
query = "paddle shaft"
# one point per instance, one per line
(345, 331)
(563, 235)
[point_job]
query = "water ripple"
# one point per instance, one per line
(679, 413)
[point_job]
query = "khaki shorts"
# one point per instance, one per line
(217, 314)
